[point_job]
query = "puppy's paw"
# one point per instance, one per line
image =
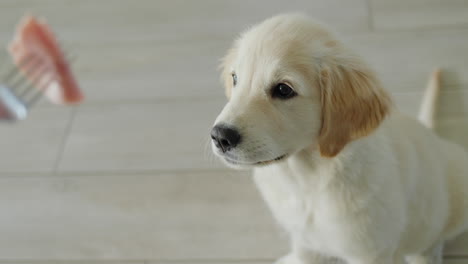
(290, 259)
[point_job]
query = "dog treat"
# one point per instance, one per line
(33, 42)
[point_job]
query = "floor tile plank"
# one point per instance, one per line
(151, 71)
(209, 215)
(70, 262)
(173, 20)
(455, 130)
(165, 136)
(451, 103)
(33, 145)
(413, 14)
(405, 60)
(140, 216)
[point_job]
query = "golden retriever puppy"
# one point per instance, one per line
(345, 174)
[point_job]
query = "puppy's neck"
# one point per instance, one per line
(306, 168)
(311, 158)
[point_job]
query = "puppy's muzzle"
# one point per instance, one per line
(225, 137)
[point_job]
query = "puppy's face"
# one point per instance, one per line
(275, 76)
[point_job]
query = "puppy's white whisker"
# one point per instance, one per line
(208, 154)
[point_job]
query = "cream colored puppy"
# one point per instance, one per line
(343, 172)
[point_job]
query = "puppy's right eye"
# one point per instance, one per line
(234, 79)
(283, 91)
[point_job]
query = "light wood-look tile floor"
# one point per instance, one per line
(128, 176)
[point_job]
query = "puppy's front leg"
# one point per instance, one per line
(302, 256)
(431, 256)
(316, 259)
(291, 258)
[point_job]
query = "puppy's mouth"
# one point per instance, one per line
(258, 163)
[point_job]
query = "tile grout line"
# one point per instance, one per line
(63, 141)
(140, 261)
(72, 261)
(112, 173)
(423, 28)
(161, 100)
(172, 261)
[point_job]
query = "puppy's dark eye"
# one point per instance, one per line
(283, 91)
(234, 79)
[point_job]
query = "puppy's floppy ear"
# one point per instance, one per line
(353, 105)
(226, 74)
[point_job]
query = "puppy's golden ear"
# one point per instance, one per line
(226, 71)
(353, 105)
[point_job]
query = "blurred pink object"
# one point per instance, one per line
(35, 39)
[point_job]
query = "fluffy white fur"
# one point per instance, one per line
(360, 181)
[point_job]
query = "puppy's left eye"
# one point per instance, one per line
(283, 91)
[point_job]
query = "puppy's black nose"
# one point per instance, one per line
(224, 137)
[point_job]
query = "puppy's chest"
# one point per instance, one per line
(303, 208)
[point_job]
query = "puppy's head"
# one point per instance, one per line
(291, 86)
